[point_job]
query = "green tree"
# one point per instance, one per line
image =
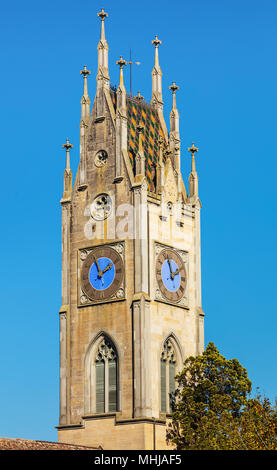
(212, 408)
(257, 427)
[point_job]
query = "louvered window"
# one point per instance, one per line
(168, 373)
(112, 386)
(100, 386)
(163, 386)
(172, 373)
(106, 372)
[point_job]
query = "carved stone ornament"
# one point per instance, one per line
(83, 255)
(101, 207)
(169, 207)
(120, 293)
(168, 352)
(170, 185)
(84, 299)
(105, 351)
(158, 248)
(119, 247)
(101, 158)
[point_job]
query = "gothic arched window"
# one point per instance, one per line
(168, 372)
(106, 382)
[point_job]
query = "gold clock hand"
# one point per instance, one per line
(107, 268)
(100, 273)
(177, 271)
(170, 268)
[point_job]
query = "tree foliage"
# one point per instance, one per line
(212, 408)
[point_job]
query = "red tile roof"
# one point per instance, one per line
(28, 444)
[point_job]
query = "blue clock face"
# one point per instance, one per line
(170, 273)
(101, 273)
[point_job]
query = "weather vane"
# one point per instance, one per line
(130, 64)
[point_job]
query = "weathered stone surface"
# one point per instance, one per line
(138, 319)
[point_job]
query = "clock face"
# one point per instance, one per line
(101, 207)
(171, 275)
(102, 273)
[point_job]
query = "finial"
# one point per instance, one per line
(156, 41)
(193, 149)
(121, 62)
(140, 129)
(139, 97)
(85, 72)
(140, 157)
(157, 96)
(174, 87)
(102, 15)
(67, 146)
(161, 149)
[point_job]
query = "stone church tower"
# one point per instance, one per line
(131, 277)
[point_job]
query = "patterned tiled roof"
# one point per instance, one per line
(28, 444)
(140, 112)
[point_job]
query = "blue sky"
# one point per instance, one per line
(223, 57)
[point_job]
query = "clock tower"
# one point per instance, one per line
(131, 276)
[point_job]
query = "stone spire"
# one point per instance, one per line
(140, 157)
(103, 79)
(160, 167)
(193, 177)
(67, 176)
(157, 98)
(85, 114)
(174, 115)
(174, 136)
(121, 91)
(85, 101)
(120, 121)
